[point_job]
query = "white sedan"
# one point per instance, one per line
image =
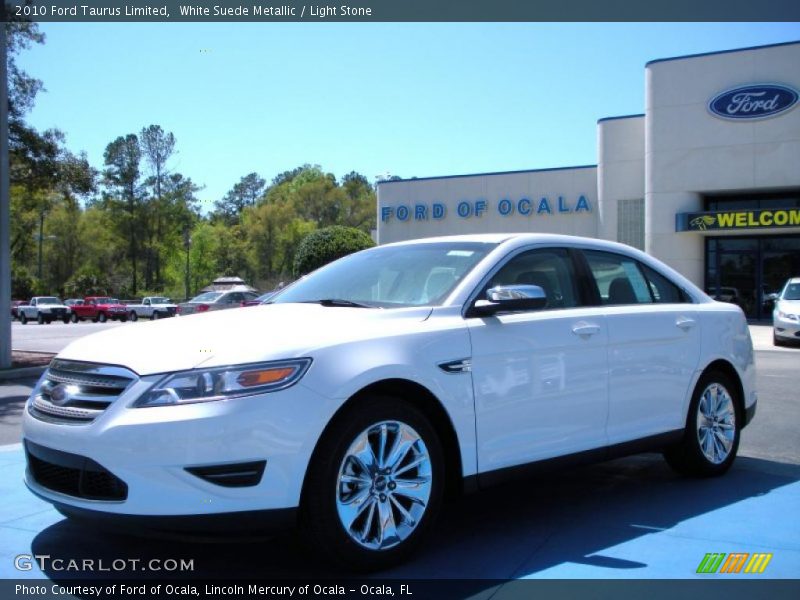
(786, 315)
(366, 391)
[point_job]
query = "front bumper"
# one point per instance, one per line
(244, 523)
(788, 329)
(150, 449)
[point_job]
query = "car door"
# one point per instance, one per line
(539, 377)
(653, 345)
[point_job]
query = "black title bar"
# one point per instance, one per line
(400, 10)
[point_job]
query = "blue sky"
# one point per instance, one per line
(408, 99)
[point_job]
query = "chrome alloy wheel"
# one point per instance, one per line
(384, 485)
(716, 423)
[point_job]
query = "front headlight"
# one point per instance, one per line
(789, 316)
(208, 385)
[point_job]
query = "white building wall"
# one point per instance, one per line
(689, 152)
(569, 184)
(620, 168)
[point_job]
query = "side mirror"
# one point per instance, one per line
(509, 298)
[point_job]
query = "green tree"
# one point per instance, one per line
(122, 174)
(157, 146)
(243, 194)
(326, 245)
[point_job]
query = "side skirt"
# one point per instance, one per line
(474, 483)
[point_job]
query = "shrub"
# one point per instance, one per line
(320, 247)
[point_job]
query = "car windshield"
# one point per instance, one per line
(421, 274)
(206, 297)
(49, 300)
(792, 292)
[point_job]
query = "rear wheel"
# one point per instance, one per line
(133, 316)
(22, 318)
(74, 318)
(374, 486)
(711, 438)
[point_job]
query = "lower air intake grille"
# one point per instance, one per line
(238, 475)
(72, 474)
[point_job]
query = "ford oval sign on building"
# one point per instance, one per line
(753, 101)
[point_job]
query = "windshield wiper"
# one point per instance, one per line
(337, 302)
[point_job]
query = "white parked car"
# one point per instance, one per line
(152, 307)
(363, 392)
(786, 315)
(44, 309)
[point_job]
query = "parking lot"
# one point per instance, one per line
(629, 518)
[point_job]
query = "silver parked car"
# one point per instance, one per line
(786, 316)
(215, 301)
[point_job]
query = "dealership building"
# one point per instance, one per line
(707, 179)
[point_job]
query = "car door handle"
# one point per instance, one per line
(685, 323)
(586, 329)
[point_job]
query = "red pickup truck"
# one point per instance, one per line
(98, 308)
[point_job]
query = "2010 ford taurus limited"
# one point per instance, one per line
(366, 390)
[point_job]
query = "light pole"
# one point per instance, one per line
(41, 238)
(5, 207)
(187, 244)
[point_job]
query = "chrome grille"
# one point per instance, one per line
(77, 393)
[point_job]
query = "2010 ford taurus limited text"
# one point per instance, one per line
(363, 392)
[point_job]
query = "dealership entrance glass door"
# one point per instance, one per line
(748, 271)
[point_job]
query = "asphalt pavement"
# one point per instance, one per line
(624, 519)
(54, 337)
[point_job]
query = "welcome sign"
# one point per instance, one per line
(738, 219)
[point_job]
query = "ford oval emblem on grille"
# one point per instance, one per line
(753, 101)
(59, 395)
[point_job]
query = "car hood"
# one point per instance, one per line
(265, 332)
(790, 305)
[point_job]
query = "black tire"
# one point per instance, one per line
(102, 317)
(776, 341)
(155, 316)
(320, 523)
(65, 320)
(49, 321)
(40, 319)
(687, 456)
(133, 316)
(74, 318)
(22, 318)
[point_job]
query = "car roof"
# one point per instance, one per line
(521, 239)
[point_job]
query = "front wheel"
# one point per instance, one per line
(374, 486)
(102, 317)
(65, 320)
(40, 319)
(711, 438)
(155, 316)
(776, 341)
